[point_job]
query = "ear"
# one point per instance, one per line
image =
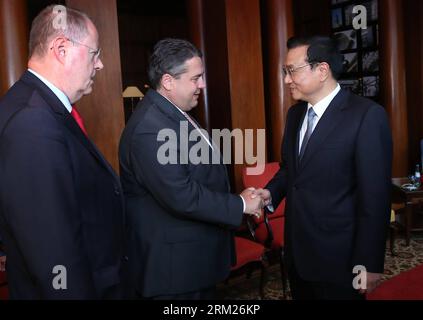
(167, 82)
(324, 69)
(59, 47)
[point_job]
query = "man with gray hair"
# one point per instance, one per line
(61, 206)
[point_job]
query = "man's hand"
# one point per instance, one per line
(253, 203)
(3, 263)
(264, 194)
(373, 280)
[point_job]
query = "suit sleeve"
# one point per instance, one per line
(278, 185)
(40, 204)
(1, 247)
(172, 186)
(373, 170)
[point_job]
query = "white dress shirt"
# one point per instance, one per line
(59, 93)
(319, 108)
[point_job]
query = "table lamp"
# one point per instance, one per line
(132, 92)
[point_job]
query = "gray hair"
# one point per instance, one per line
(48, 24)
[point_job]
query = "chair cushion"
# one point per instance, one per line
(247, 251)
(405, 286)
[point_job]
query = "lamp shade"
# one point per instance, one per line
(132, 92)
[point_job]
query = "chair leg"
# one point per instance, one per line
(284, 275)
(263, 276)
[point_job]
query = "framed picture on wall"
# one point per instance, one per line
(371, 61)
(352, 85)
(372, 10)
(360, 48)
(350, 62)
(339, 1)
(337, 19)
(349, 15)
(368, 38)
(371, 86)
(346, 40)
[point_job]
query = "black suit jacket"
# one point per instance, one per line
(179, 215)
(338, 195)
(60, 201)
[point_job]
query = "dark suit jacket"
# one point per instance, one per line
(179, 215)
(338, 195)
(60, 201)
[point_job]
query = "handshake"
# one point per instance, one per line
(255, 200)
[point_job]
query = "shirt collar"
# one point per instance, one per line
(180, 110)
(59, 94)
(321, 106)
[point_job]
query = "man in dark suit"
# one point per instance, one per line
(335, 175)
(2, 258)
(61, 204)
(180, 213)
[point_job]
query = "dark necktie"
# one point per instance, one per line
(75, 114)
(311, 115)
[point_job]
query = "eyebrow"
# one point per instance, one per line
(198, 75)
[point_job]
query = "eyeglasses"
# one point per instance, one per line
(95, 52)
(291, 70)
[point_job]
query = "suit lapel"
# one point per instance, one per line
(63, 115)
(298, 123)
(325, 126)
(171, 112)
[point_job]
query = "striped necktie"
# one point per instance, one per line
(194, 124)
(311, 115)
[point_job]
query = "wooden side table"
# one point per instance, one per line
(410, 200)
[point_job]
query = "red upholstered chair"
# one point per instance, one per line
(269, 228)
(250, 254)
(4, 294)
(404, 286)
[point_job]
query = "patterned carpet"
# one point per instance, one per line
(241, 288)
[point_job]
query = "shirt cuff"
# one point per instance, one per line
(270, 207)
(243, 204)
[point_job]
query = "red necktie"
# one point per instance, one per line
(75, 114)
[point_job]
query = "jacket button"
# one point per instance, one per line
(117, 192)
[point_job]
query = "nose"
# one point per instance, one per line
(99, 65)
(287, 78)
(201, 83)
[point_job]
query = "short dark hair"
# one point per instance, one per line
(320, 49)
(169, 56)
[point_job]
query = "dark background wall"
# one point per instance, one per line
(141, 24)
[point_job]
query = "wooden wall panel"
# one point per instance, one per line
(277, 29)
(245, 68)
(413, 33)
(393, 80)
(14, 35)
(196, 15)
(102, 110)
